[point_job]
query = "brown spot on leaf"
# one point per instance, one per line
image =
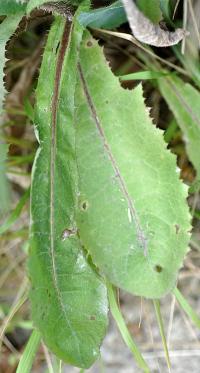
(158, 268)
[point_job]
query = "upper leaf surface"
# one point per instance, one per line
(69, 302)
(132, 216)
(106, 17)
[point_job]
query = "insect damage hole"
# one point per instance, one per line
(68, 233)
(89, 44)
(84, 205)
(158, 268)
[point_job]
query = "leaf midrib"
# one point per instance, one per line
(140, 233)
(55, 103)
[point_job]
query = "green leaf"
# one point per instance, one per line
(124, 330)
(107, 17)
(188, 60)
(151, 9)
(69, 301)
(143, 75)
(7, 28)
(184, 102)
(187, 308)
(162, 331)
(165, 7)
(29, 353)
(15, 213)
(133, 217)
(9, 7)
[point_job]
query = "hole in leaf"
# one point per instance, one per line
(158, 268)
(89, 44)
(84, 205)
(67, 233)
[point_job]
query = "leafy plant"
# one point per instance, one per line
(108, 207)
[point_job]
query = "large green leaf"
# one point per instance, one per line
(184, 101)
(132, 217)
(69, 302)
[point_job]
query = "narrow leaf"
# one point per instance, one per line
(69, 302)
(15, 213)
(187, 308)
(126, 179)
(165, 6)
(162, 331)
(124, 330)
(184, 102)
(29, 353)
(143, 75)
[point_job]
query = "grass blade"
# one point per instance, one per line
(29, 353)
(143, 75)
(15, 213)
(187, 308)
(162, 332)
(124, 331)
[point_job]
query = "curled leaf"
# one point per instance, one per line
(147, 32)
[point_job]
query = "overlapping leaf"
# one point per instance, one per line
(69, 302)
(107, 17)
(132, 216)
(184, 101)
(7, 29)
